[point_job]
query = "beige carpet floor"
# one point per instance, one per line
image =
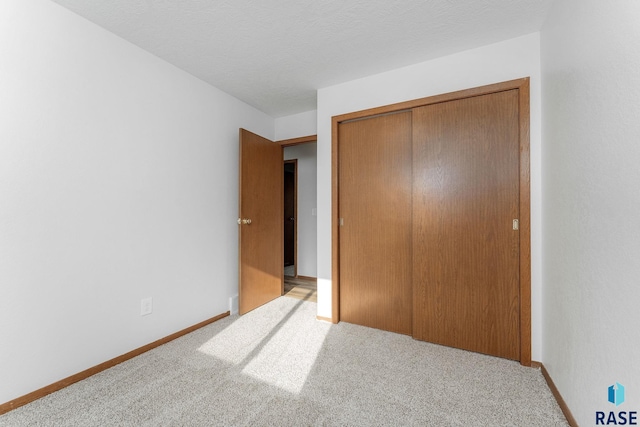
(279, 366)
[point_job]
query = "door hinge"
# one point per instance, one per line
(516, 224)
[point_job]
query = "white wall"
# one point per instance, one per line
(591, 234)
(118, 181)
(307, 197)
(296, 125)
(499, 62)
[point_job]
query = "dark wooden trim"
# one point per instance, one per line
(297, 141)
(522, 85)
(563, 405)
(295, 216)
(281, 223)
(408, 105)
(525, 225)
(335, 232)
(306, 278)
(295, 222)
(59, 385)
(240, 218)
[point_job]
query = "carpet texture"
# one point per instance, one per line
(279, 366)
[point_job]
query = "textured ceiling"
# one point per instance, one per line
(275, 54)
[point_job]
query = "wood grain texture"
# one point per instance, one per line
(261, 261)
(301, 288)
(375, 240)
(525, 225)
(522, 85)
(297, 141)
(66, 382)
(435, 99)
(465, 197)
(335, 234)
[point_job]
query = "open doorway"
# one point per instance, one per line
(300, 225)
(290, 214)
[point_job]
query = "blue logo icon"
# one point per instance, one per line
(616, 394)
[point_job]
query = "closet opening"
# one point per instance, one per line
(456, 169)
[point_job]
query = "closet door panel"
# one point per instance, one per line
(465, 200)
(375, 206)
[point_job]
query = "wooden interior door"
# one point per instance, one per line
(260, 226)
(465, 245)
(375, 211)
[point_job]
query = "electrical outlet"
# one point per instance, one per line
(146, 306)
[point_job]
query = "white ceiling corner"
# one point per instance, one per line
(275, 54)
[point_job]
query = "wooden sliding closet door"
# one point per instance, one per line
(375, 209)
(465, 242)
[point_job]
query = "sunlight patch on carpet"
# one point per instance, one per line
(288, 358)
(278, 347)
